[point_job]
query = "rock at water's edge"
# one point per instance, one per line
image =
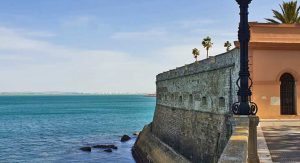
(125, 138)
(105, 146)
(108, 150)
(136, 133)
(86, 149)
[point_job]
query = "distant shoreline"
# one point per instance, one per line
(69, 94)
(150, 95)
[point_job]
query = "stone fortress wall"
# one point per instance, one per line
(192, 117)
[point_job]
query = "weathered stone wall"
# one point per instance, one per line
(201, 85)
(193, 107)
(198, 136)
(149, 148)
(242, 145)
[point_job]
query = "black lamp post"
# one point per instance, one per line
(244, 106)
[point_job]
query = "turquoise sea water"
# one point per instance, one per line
(53, 128)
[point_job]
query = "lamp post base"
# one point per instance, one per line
(244, 108)
(252, 146)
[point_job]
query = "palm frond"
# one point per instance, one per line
(297, 15)
(282, 10)
(279, 16)
(272, 21)
(289, 13)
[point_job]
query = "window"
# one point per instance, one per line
(221, 102)
(287, 94)
(204, 101)
(190, 99)
(180, 99)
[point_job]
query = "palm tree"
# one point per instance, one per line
(196, 53)
(207, 44)
(227, 45)
(289, 15)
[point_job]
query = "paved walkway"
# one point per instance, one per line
(283, 140)
(262, 148)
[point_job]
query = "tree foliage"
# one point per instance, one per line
(289, 14)
(207, 44)
(227, 45)
(196, 53)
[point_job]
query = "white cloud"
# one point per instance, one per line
(39, 34)
(143, 35)
(29, 64)
(33, 65)
(195, 23)
(215, 32)
(13, 39)
(177, 56)
(79, 21)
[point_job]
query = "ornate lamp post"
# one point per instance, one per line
(244, 106)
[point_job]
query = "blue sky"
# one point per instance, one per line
(109, 46)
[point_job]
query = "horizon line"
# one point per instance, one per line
(73, 93)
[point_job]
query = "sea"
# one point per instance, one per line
(42, 129)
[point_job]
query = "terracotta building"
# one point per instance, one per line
(274, 62)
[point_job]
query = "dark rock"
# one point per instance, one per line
(86, 149)
(108, 150)
(105, 146)
(125, 138)
(136, 133)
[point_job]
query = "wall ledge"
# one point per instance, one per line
(241, 147)
(210, 64)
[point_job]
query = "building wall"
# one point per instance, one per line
(192, 120)
(193, 107)
(268, 66)
(274, 33)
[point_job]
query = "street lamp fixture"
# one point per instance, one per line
(244, 106)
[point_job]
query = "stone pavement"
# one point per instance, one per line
(282, 139)
(262, 148)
